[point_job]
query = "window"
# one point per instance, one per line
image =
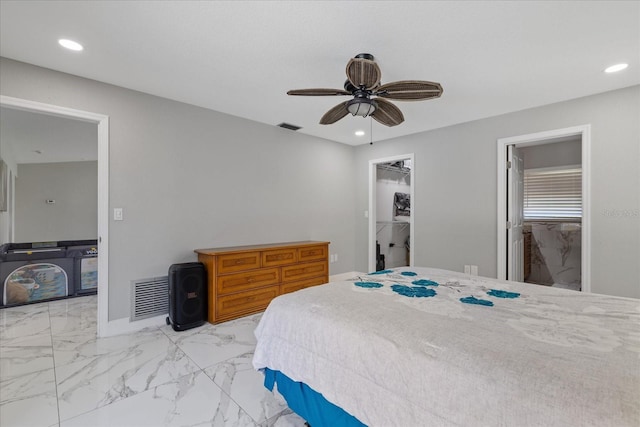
(553, 193)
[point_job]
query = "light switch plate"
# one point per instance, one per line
(117, 214)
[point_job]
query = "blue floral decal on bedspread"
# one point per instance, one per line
(368, 284)
(503, 294)
(413, 291)
(474, 300)
(409, 273)
(382, 272)
(406, 283)
(424, 282)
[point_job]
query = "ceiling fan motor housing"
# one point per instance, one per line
(365, 56)
(349, 87)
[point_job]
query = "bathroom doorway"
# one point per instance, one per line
(552, 214)
(543, 208)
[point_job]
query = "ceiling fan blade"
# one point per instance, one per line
(334, 114)
(409, 90)
(363, 72)
(386, 113)
(318, 92)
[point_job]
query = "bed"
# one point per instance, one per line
(429, 347)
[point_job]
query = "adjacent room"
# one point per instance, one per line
(284, 213)
(552, 211)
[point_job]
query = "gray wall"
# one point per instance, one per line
(455, 187)
(191, 178)
(550, 155)
(73, 216)
(6, 154)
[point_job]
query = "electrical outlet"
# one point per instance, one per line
(335, 257)
(467, 269)
(474, 270)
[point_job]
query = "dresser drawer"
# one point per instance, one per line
(238, 262)
(285, 288)
(304, 271)
(312, 253)
(236, 305)
(248, 280)
(279, 257)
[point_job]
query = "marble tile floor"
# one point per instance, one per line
(54, 371)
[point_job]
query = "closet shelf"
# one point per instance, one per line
(405, 172)
(380, 225)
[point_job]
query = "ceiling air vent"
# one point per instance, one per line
(289, 126)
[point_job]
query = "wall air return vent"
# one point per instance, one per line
(149, 297)
(289, 126)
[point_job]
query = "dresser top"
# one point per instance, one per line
(250, 248)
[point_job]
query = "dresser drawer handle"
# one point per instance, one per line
(250, 298)
(238, 262)
(250, 279)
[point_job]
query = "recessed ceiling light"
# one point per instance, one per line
(359, 133)
(617, 67)
(70, 44)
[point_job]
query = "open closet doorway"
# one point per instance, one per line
(543, 208)
(391, 213)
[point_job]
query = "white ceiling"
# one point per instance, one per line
(240, 57)
(42, 138)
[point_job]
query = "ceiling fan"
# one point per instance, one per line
(363, 82)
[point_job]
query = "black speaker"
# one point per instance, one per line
(187, 295)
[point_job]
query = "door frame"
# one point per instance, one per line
(540, 138)
(372, 207)
(102, 122)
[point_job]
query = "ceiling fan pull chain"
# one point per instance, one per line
(371, 130)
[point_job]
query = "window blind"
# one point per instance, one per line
(553, 193)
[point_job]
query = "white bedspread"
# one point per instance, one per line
(550, 357)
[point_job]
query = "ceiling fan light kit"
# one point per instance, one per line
(362, 107)
(363, 82)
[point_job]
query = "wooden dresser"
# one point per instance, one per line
(244, 279)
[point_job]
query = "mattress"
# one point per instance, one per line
(420, 346)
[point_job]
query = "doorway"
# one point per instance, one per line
(391, 212)
(102, 123)
(545, 242)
